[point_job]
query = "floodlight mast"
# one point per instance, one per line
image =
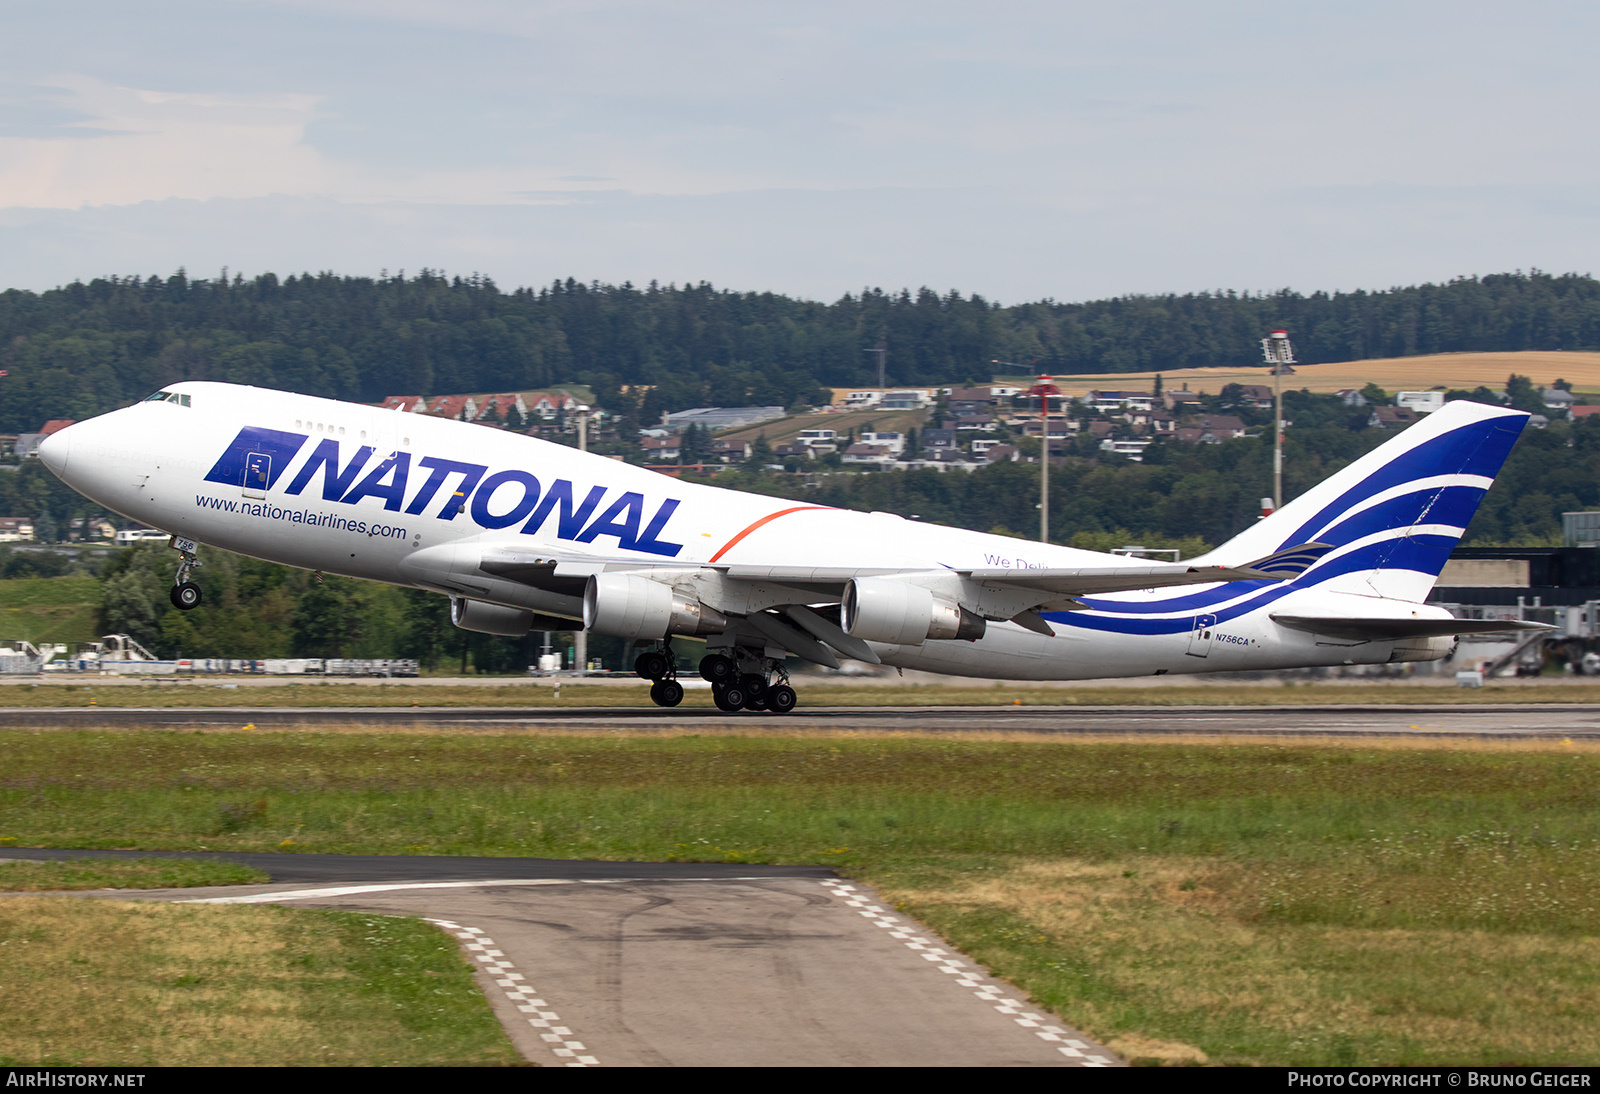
(1280, 355)
(1043, 389)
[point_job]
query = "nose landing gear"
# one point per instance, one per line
(185, 593)
(657, 665)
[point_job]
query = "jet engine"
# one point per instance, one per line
(882, 610)
(476, 615)
(629, 606)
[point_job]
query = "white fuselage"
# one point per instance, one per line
(393, 497)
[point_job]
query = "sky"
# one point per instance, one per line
(1016, 149)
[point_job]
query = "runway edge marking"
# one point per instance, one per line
(545, 1022)
(1067, 1042)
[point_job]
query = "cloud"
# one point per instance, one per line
(154, 145)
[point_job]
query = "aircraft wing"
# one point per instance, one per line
(790, 606)
(564, 570)
(1279, 566)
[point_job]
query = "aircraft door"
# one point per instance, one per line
(1200, 636)
(257, 474)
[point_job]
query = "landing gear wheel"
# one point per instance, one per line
(186, 596)
(651, 665)
(755, 700)
(781, 699)
(666, 693)
(729, 699)
(718, 669)
(753, 684)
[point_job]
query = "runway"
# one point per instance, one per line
(1488, 721)
(684, 964)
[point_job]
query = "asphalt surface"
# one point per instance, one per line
(681, 964)
(1576, 721)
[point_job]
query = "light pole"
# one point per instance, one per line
(882, 351)
(1280, 355)
(1044, 388)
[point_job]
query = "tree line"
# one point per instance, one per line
(88, 347)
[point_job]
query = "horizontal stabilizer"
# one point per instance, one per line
(1377, 630)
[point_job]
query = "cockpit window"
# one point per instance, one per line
(167, 397)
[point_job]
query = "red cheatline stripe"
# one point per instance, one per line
(728, 546)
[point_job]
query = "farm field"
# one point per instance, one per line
(1463, 371)
(1270, 902)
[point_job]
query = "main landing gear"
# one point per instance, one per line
(745, 681)
(658, 666)
(185, 593)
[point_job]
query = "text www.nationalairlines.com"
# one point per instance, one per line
(300, 516)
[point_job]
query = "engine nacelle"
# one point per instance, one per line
(476, 615)
(630, 606)
(1424, 649)
(883, 610)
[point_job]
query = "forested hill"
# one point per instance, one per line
(75, 351)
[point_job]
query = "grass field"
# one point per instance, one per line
(1464, 371)
(1270, 903)
(49, 609)
(114, 983)
(119, 873)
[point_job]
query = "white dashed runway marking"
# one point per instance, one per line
(545, 1022)
(1074, 1048)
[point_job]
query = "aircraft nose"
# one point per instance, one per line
(55, 449)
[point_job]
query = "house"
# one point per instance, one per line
(459, 407)
(1349, 396)
(15, 529)
(406, 404)
(1391, 417)
(896, 442)
(668, 447)
(1259, 396)
(813, 438)
(546, 405)
(876, 454)
(1423, 402)
(1132, 449)
(1109, 402)
(1221, 426)
(1181, 402)
(499, 408)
